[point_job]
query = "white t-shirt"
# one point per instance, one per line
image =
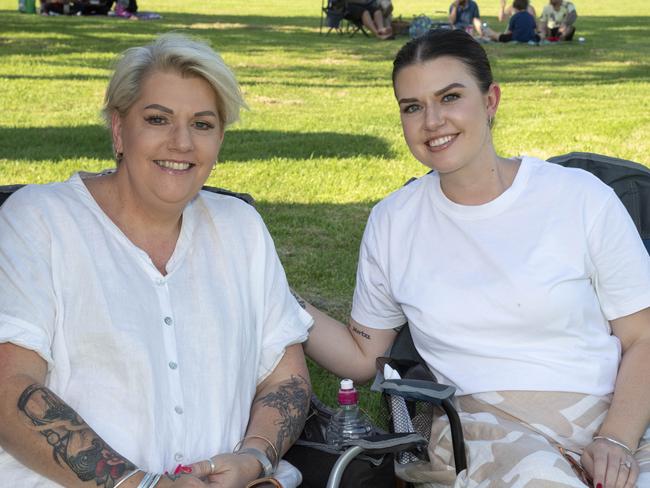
(514, 294)
(163, 368)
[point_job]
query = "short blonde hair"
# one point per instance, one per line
(172, 52)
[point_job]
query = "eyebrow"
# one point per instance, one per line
(170, 111)
(438, 93)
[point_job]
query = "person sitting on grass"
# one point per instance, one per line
(465, 15)
(370, 15)
(506, 12)
(521, 27)
(557, 21)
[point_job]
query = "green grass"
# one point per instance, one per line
(321, 142)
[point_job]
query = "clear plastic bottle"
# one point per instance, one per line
(348, 422)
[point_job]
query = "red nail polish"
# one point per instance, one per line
(187, 469)
(179, 467)
(599, 485)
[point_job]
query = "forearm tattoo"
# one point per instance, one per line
(300, 301)
(72, 441)
(291, 400)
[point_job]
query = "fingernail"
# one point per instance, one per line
(599, 485)
(186, 469)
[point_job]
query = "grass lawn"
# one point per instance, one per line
(321, 142)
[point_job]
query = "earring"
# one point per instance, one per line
(490, 121)
(119, 156)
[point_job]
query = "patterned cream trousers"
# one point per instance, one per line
(515, 439)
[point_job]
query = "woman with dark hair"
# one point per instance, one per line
(525, 285)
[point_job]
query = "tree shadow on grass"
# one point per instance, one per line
(89, 40)
(244, 145)
(318, 245)
(93, 142)
(250, 34)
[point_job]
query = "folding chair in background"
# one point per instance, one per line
(334, 13)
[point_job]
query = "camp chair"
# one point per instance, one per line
(411, 398)
(334, 13)
(630, 181)
(362, 463)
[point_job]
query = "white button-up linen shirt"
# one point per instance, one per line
(163, 368)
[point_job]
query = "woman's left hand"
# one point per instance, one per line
(609, 465)
(230, 470)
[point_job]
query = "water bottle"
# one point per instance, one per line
(348, 422)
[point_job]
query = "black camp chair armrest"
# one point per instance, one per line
(438, 394)
(376, 444)
(388, 443)
(222, 191)
(423, 390)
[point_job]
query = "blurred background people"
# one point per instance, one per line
(464, 14)
(557, 22)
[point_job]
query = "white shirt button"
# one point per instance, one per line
(168, 320)
(160, 281)
(178, 409)
(178, 456)
(173, 365)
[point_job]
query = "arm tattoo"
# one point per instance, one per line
(291, 400)
(300, 301)
(360, 332)
(72, 441)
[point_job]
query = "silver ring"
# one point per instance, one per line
(213, 468)
(627, 463)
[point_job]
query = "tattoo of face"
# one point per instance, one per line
(300, 301)
(360, 332)
(291, 400)
(72, 441)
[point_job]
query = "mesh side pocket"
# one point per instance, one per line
(411, 416)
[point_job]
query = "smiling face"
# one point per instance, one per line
(445, 115)
(170, 139)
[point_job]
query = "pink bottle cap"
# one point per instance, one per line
(347, 394)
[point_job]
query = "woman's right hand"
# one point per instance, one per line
(231, 470)
(609, 465)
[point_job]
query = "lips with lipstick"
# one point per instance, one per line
(175, 165)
